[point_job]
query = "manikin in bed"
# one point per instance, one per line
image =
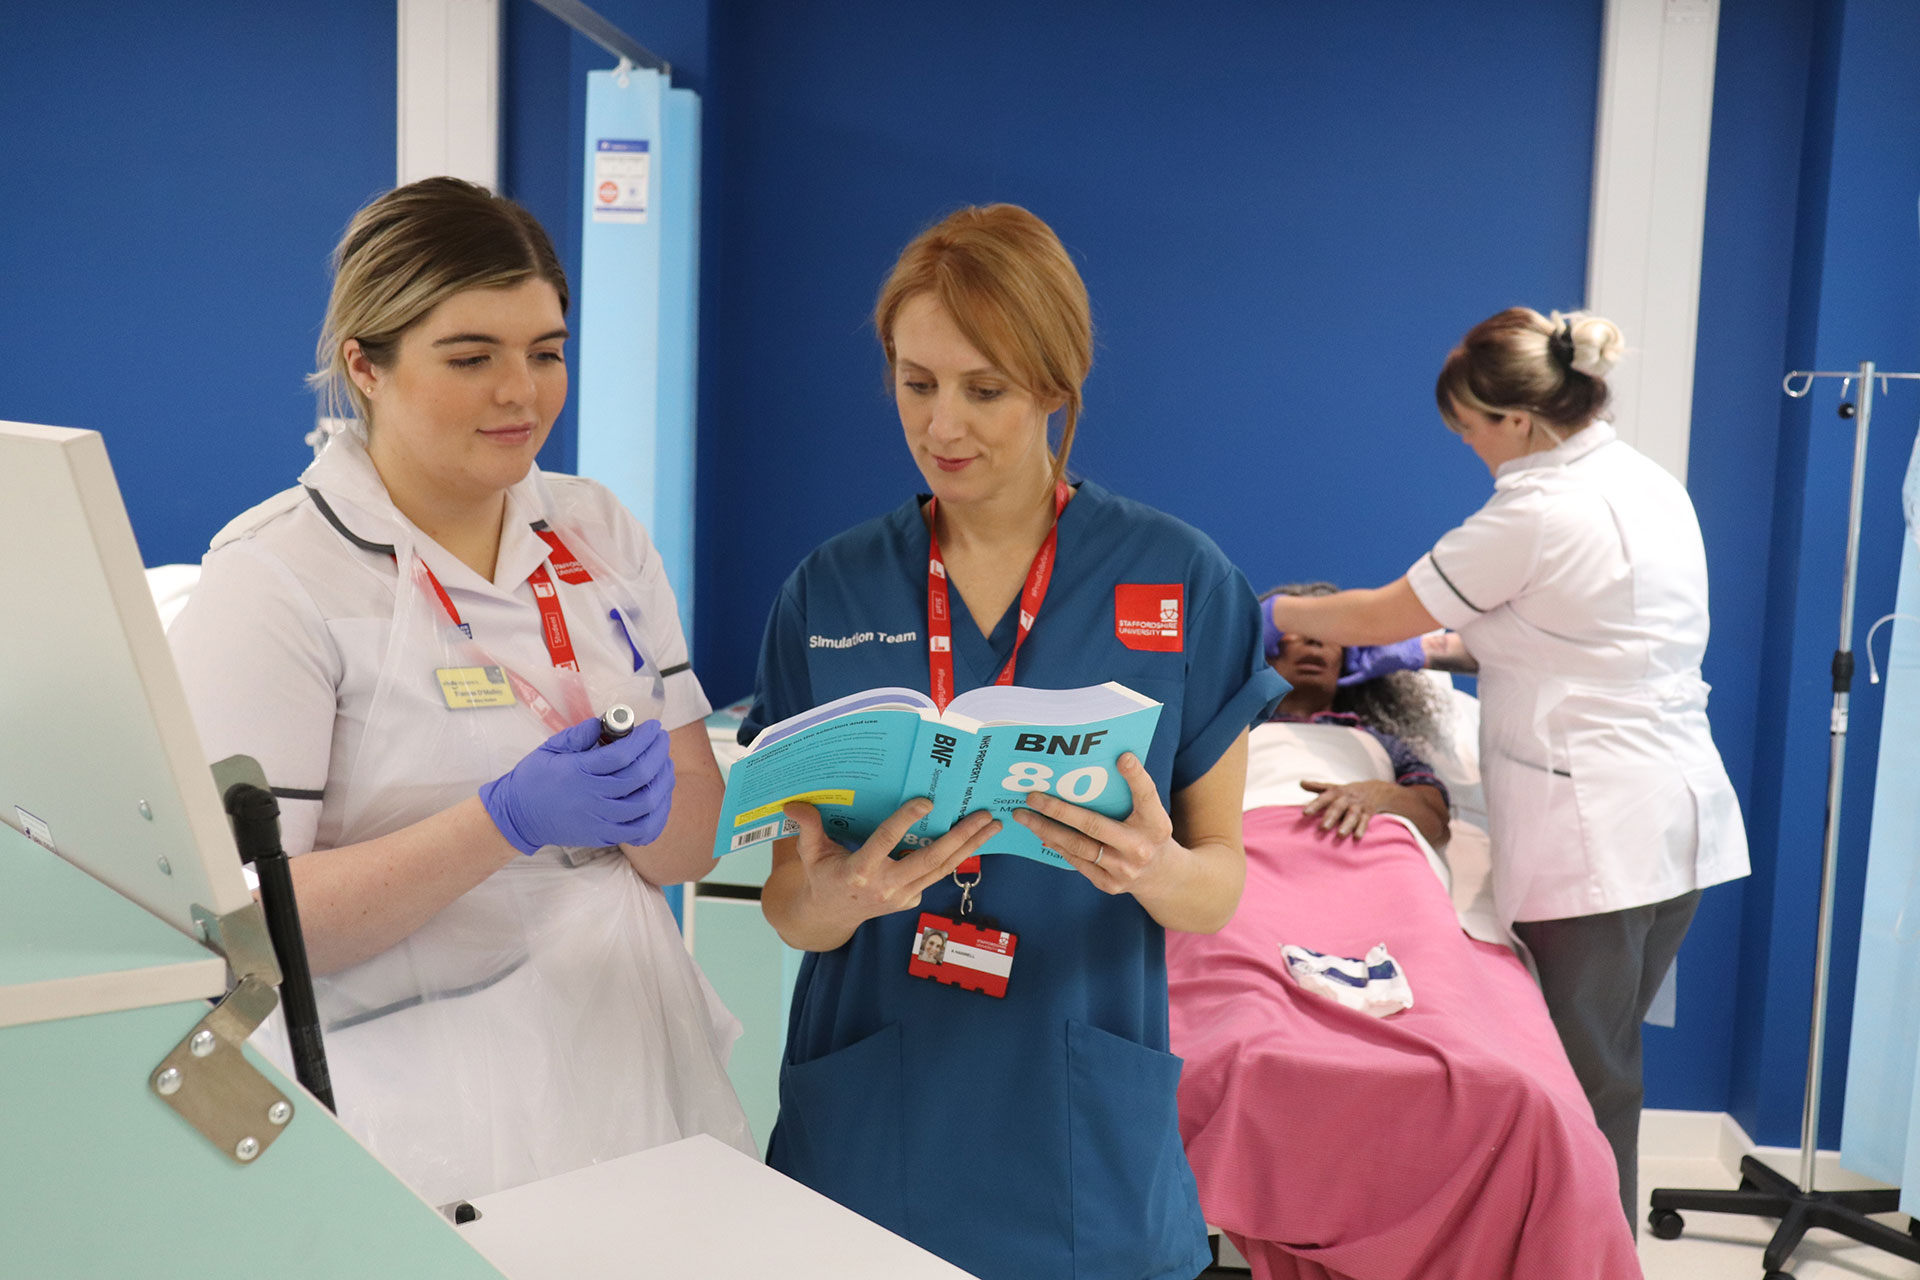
(1448, 1140)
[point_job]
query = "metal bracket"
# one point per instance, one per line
(210, 1083)
(241, 936)
(207, 1079)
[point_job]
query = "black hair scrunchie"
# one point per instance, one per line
(1560, 345)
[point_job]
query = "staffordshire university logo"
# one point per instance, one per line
(1147, 616)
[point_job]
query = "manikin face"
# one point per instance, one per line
(1306, 663)
(973, 431)
(471, 393)
(1495, 439)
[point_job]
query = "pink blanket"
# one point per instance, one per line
(1449, 1140)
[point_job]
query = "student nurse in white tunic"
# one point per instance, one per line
(415, 643)
(1579, 594)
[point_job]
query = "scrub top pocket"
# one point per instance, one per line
(1135, 1205)
(841, 1127)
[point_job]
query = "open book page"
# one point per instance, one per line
(1014, 704)
(870, 700)
(851, 766)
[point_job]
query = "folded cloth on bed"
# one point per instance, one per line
(1376, 986)
(1449, 1142)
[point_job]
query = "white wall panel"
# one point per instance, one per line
(449, 103)
(1649, 209)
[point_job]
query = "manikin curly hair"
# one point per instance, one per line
(1402, 703)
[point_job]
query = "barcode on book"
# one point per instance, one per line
(754, 835)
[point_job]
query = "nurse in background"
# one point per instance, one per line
(414, 642)
(1579, 594)
(1034, 1135)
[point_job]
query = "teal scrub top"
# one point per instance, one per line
(1035, 1135)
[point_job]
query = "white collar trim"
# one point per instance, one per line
(1593, 436)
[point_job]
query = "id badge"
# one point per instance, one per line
(963, 955)
(472, 688)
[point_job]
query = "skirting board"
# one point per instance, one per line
(1715, 1135)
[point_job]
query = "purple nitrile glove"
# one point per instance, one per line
(1370, 661)
(572, 791)
(1271, 634)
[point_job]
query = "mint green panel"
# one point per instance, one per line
(748, 867)
(100, 1178)
(746, 961)
(57, 922)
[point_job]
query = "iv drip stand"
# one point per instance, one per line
(1764, 1192)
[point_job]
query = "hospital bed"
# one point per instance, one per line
(1447, 1140)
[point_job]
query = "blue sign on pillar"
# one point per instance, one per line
(639, 280)
(639, 311)
(678, 380)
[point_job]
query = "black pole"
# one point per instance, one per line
(256, 830)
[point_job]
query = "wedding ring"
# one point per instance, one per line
(1098, 854)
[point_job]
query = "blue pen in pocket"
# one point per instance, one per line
(620, 622)
(646, 686)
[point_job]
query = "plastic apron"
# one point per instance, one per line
(551, 1016)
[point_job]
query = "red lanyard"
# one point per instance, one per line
(553, 623)
(940, 615)
(940, 624)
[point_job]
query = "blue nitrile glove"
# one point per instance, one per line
(1270, 633)
(1370, 661)
(569, 790)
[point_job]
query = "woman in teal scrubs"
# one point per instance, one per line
(1034, 1135)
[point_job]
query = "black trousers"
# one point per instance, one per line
(1600, 974)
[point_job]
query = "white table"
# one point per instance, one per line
(694, 1208)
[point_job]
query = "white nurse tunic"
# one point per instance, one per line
(550, 1017)
(1581, 589)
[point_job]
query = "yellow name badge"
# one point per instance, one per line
(471, 688)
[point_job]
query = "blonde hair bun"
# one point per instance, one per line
(1554, 367)
(1597, 343)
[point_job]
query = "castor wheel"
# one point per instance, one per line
(1666, 1224)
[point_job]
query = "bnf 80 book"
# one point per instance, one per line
(859, 758)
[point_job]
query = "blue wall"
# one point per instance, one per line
(1285, 214)
(1855, 295)
(172, 179)
(1753, 199)
(1255, 195)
